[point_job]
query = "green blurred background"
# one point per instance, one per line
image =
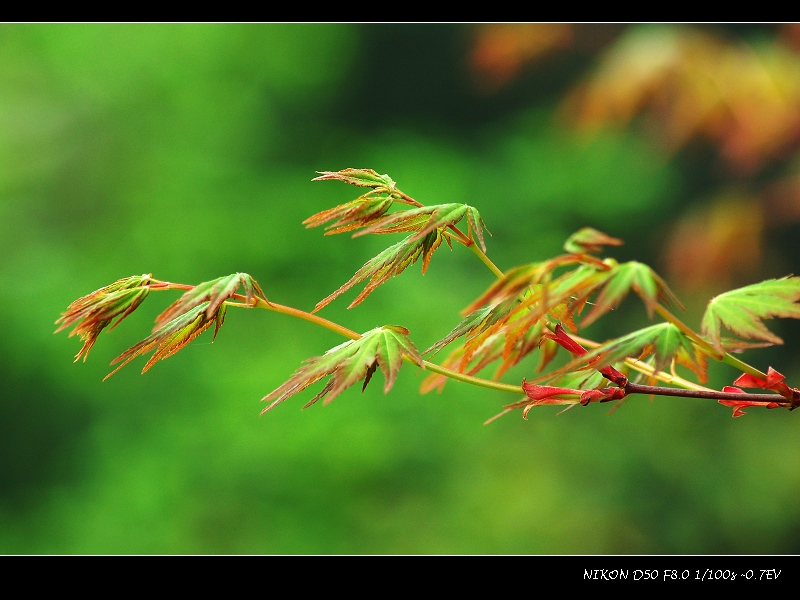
(187, 151)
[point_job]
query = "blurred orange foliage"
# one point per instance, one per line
(502, 49)
(717, 246)
(687, 83)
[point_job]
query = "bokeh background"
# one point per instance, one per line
(187, 151)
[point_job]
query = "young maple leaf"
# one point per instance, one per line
(742, 310)
(360, 212)
(621, 279)
(512, 313)
(425, 219)
(589, 241)
(517, 307)
(389, 263)
(173, 335)
(360, 178)
(350, 362)
(483, 349)
(516, 282)
(473, 321)
(365, 209)
(215, 292)
(94, 312)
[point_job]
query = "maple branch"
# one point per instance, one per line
(552, 300)
(655, 390)
(772, 400)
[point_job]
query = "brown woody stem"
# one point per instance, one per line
(655, 390)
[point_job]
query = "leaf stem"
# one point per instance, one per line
(301, 314)
(743, 366)
(349, 333)
(487, 383)
(158, 285)
(485, 259)
(408, 198)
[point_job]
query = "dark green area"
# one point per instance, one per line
(186, 151)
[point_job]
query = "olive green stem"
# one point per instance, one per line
(743, 366)
(485, 259)
(487, 383)
(349, 333)
(301, 314)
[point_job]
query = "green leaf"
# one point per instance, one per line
(422, 220)
(476, 226)
(214, 292)
(662, 340)
(350, 362)
(583, 380)
(360, 212)
(358, 177)
(468, 324)
(389, 263)
(428, 224)
(622, 279)
(365, 210)
(742, 310)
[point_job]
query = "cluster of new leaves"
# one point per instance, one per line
(215, 292)
(530, 307)
(189, 316)
(428, 226)
(353, 361)
(511, 318)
